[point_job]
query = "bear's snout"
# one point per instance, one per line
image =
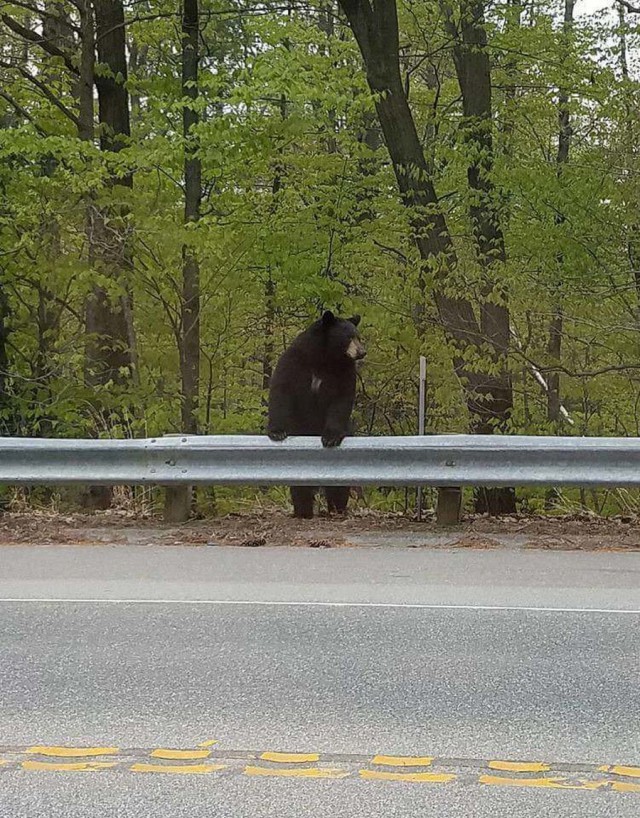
(356, 350)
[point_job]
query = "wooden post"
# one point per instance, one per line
(421, 410)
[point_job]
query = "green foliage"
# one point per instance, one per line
(299, 196)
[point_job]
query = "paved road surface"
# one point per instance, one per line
(408, 677)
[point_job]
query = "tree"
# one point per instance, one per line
(178, 500)
(190, 323)
(489, 397)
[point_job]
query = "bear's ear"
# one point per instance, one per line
(327, 318)
(355, 320)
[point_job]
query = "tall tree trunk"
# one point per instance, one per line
(633, 237)
(179, 499)
(473, 70)
(110, 356)
(270, 285)
(5, 425)
(110, 349)
(513, 22)
(554, 346)
(489, 396)
(190, 341)
(556, 323)
(57, 30)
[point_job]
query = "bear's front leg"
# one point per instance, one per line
(278, 421)
(336, 426)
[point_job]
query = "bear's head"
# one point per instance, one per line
(341, 336)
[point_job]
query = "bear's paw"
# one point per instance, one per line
(332, 438)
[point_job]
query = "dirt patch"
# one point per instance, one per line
(360, 529)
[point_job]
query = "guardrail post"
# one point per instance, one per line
(449, 506)
(177, 503)
(177, 500)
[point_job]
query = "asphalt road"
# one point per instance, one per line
(408, 676)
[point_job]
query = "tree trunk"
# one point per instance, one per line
(110, 349)
(633, 238)
(489, 396)
(179, 499)
(190, 342)
(554, 344)
(473, 70)
(5, 425)
(110, 346)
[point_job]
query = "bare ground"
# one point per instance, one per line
(359, 529)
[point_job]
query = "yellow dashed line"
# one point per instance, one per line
(298, 772)
(624, 786)
(520, 766)
(72, 752)
(544, 783)
(542, 775)
(431, 778)
(196, 769)
(177, 755)
(291, 758)
(404, 761)
(67, 767)
(618, 769)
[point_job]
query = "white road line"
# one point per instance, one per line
(317, 604)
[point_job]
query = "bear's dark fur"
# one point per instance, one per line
(312, 392)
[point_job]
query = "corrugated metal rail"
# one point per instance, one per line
(439, 460)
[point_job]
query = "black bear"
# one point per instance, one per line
(312, 392)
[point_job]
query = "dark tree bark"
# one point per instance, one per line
(110, 356)
(270, 285)
(473, 69)
(190, 340)
(633, 237)
(4, 361)
(554, 346)
(110, 345)
(556, 323)
(489, 397)
(179, 499)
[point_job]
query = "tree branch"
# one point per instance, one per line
(40, 12)
(47, 93)
(22, 112)
(33, 37)
(629, 7)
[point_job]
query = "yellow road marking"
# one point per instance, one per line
(291, 758)
(432, 778)
(298, 772)
(618, 769)
(66, 766)
(404, 761)
(72, 752)
(544, 783)
(209, 743)
(180, 754)
(197, 769)
(520, 766)
(624, 786)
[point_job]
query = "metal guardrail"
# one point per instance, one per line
(440, 460)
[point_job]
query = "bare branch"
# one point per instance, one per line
(629, 6)
(43, 12)
(22, 112)
(34, 37)
(47, 93)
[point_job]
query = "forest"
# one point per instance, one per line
(184, 187)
